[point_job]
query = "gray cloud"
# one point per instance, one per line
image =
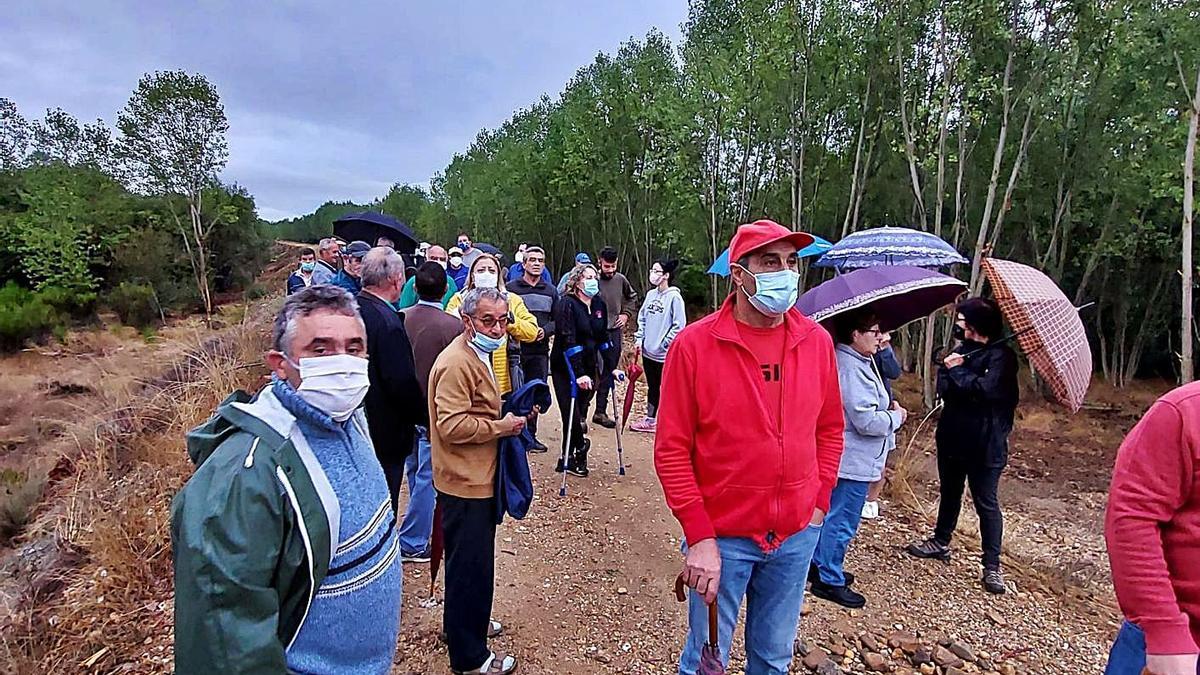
(325, 100)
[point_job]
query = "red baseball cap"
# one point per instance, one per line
(761, 233)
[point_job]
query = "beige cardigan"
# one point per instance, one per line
(464, 422)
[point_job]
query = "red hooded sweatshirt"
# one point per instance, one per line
(729, 466)
(1153, 524)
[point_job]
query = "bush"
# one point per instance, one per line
(135, 304)
(71, 303)
(24, 315)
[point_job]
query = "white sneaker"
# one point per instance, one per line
(870, 510)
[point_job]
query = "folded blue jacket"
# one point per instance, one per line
(514, 486)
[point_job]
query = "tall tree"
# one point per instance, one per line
(173, 138)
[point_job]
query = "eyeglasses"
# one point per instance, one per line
(491, 322)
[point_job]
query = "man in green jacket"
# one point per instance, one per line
(284, 541)
(408, 295)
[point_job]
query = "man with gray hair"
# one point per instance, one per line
(328, 256)
(284, 551)
(464, 433)
(394, 403)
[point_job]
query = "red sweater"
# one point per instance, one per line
(1153, 524)
(728, 466)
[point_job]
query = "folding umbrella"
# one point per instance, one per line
(437, 548)
(720, 266)
(897, 295)
(1047, 326)
(632, 373)
(890, 246)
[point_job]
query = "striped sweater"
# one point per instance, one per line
(354, 619)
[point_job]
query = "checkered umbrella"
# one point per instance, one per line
(1047, 326)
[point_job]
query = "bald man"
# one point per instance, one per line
(408, 297)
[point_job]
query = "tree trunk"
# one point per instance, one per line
(862, 130)
(910, 146)
(1022, 153)
(1187, 367)
(997, 161)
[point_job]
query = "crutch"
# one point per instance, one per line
(562, 490)
(618, 376)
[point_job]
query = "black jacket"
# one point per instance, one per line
(576, 325)
(542, 302)
(394, 403)
(980, 397)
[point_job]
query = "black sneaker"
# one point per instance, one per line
(538, 447)
(414, 556)
(814, 575)
(842, 595)
(930, 549)
(604, 420)
(993, 582)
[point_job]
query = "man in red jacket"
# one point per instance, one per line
(747, 450)
(1153, 534)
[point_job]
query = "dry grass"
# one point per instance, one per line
(107, 607)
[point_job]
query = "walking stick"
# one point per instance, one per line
(562, 490)
(618, 376)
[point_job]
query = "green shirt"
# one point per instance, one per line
(408, 296)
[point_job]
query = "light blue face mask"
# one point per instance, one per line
(486, 343)
(591, 287)
(777, 291)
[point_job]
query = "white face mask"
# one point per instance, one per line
(655, 278)
(485, 280)
(456, 260)
(441, 262)
(335, 384)
(520, 256)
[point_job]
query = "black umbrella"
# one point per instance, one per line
(488, 248)
(369, 226)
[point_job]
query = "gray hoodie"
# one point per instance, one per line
(661, 318)
(870, 427)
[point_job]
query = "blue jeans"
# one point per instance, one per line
(418, 517)
(1128, 654)
(841, 524)
(773, 587)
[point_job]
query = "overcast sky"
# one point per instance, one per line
(326, 100)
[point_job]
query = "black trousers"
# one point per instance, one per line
(562, 394)
(394, 473)
(469, 531)
(953, 472)
(654, 371)
(611, 358)
(535, 367)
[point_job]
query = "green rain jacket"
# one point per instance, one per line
(251, 538)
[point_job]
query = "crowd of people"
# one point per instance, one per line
(771, 437)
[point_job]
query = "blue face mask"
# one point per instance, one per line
(777, 291)
(486, 343)
(307, 266)
(591, 287)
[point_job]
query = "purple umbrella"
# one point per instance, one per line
(897, 295)
(710, 655)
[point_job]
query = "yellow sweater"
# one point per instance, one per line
(522, 328)
(464, 423)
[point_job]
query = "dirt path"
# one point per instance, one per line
(582, 586)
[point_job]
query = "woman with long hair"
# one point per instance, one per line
(522, 326)
(661, 318)
(581, 331)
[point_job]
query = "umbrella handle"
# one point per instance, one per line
(681, 596)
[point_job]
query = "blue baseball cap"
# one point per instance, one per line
(582, 259)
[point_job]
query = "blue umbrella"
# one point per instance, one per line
(895, 294)
(721, 264)
(890, 246)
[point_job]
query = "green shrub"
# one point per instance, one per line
(71, 303)
(24, 315)
(134, 304)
